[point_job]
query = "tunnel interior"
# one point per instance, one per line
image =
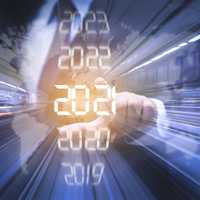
(50, 50)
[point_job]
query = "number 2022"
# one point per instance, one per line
(99, 102)
(92, 58)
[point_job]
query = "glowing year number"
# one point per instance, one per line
(92, 20)
(75, 58)
(78, 174)
(93, 140)
(100, 104)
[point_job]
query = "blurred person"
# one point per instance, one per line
(132, 111)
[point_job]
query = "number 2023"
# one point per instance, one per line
(108, 99)
(92, 20)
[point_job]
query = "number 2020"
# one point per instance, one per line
(108, 99)
(94, 140)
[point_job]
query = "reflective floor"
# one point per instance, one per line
(151, 49)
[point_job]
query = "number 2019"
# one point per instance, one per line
(78, 174)
(99, 102)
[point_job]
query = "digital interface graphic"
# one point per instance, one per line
(99, 100)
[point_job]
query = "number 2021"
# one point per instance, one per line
(108, 99)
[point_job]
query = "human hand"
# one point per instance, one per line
(132, 111)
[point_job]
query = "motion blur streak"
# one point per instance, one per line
(36, 47)
(155, 51)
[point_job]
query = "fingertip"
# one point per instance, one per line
(100, 80)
